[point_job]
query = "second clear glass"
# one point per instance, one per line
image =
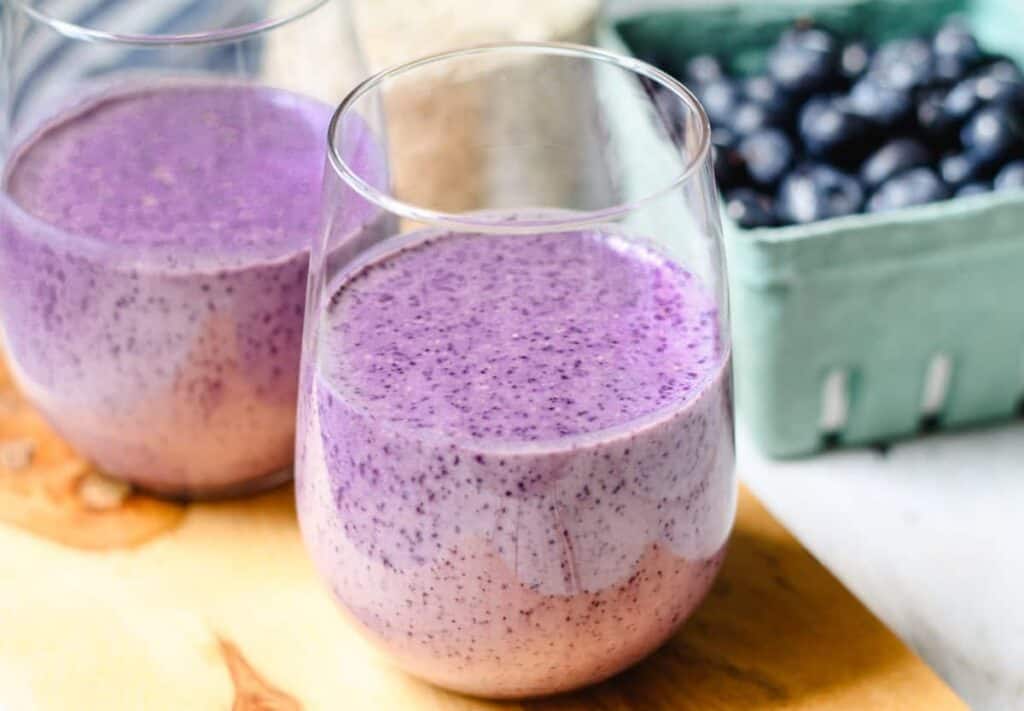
(515, 463)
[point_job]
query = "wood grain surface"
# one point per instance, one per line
(111, 600)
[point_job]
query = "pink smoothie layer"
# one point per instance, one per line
(153, 278)
(517, 464)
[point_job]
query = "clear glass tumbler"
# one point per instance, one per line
(161, 187)
(515, 461)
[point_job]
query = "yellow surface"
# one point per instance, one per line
(135, 604)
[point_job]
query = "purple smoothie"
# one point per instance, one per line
(516, 459)
(153, 269)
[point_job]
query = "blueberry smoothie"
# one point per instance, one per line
(153, 265)
(516, 454)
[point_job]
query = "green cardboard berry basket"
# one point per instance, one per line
(863, 329)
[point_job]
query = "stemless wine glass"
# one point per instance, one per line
(161, 186)
(515, 463)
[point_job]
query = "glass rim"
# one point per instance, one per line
(81, 32)
(466, 221)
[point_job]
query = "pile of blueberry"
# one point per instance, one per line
(835, 128)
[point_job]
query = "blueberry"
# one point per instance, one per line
(748, 118)
(1003, 69)
(719, 99)
(1011, 176)
(730, 170)
(881, 105)
(703, 69)
(970, 189)
(949, 70)
(805, 60)
(854, 60)
(805, 35)
(768, 154)
(764, 91)
(959, 169)
(974, 92)
(749, 209)
(723, 137)
(830, 131)
(962, 100)
(993, 89)
(903, 64)
(815, 192)
(994, 134)
(892, 159)
(955, 41)
(915, 187)
(938, 125)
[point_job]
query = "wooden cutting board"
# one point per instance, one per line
(111, 600)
